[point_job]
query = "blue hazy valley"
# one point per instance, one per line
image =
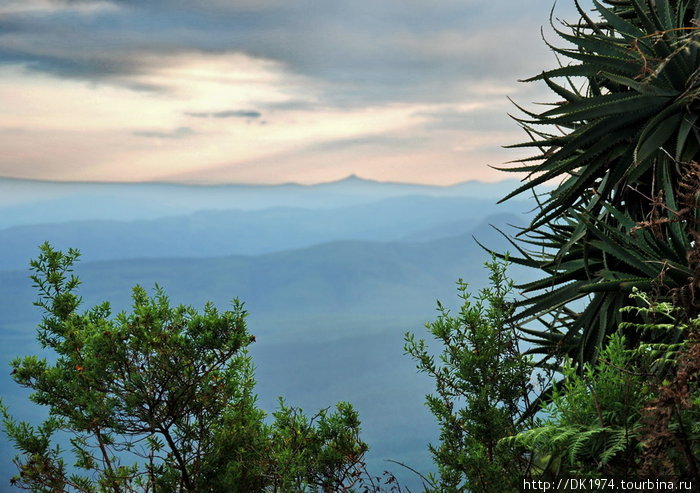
(333, 275)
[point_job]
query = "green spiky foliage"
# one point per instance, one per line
(623, 145)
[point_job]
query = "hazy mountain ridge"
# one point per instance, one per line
(219, 233)
(344, 277)
(36, 202)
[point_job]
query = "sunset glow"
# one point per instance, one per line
(88, 101)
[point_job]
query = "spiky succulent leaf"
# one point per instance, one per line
(628, 138)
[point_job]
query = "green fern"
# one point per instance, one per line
(593, 418)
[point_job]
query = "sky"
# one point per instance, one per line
(268, 91)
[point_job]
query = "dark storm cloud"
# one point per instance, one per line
(248, 114)
(78, 46)
(178, 133)
(360, 50)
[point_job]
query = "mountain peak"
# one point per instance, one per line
(353, 178)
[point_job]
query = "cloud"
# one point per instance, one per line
(178, 133)
(382, 143)
(84, 7)
(483, 118)
(249, 114)
(360, 52)
(397, 89)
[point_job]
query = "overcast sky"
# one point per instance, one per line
(267, 91)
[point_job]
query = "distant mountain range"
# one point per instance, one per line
(343, 279)
(38, 202)
(253, 232)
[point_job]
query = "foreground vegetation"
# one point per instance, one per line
(161, 399)
(593, 375)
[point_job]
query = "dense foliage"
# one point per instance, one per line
(161, 399)
(482, 394)
(593, 423)
(634, 413)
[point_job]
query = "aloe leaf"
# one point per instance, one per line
(552, 299)
(546, 282)
(685, 128)
(641, 15)
(628, 66)
(563, 202)
(563, 92)
(620, 25)
(608, 46)
(580, 70)
(656, 135)
(626, 102)
(678, 237)
(640, 87)
(605, 286)
(663, 15)
(554, 169)
(585, 17)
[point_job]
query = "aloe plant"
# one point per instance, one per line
(623, 145)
